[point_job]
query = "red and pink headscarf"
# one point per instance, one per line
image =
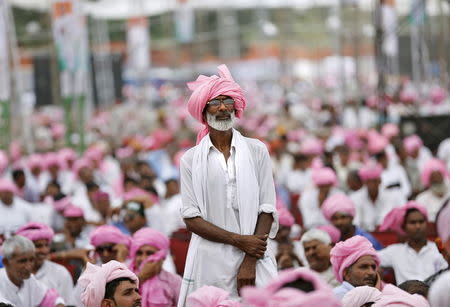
(345, 253)
(206, 88)
(36, 231)
(395, 219)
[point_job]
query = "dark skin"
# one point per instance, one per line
(344, 223)
(372, 188)
(415, 228)
(254, 246)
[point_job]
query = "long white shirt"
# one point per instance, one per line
(298, 180)
(30, 294)
(371, 214)
(55, 276)
(396, 174)
(408, 264)
(217, 264)
(310, 207)
(14, 216)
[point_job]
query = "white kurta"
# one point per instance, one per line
(14, 216)
(30, 294)
(409, 264)
(298, 180)
(396, 174)
(310, 208)
(432, 202)
(55, 276)
(370, 214)
(227, 190)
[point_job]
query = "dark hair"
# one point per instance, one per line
(5, 305)
(408, 212)
(17, 173)
(111, 286)
(54, 183)
(91, 185)
(415, 287)
(380, 155)
(300, 284)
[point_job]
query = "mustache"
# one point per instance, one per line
(138, 303)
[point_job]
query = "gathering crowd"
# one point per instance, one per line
(361, 210)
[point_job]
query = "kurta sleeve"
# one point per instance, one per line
(386, 257)
(267, 197)
(189, 207)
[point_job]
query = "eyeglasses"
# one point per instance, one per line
(228, 102)
(105, 248)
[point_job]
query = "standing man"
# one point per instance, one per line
(228, 195)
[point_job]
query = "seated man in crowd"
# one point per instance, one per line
(14, 212)
(372, 203)
(417, 258)
(339, 209)
(109, 285)
(110, 244)
(355, 263)
(17, 283)
(53, 275)
(317, 245)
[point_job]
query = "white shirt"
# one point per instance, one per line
(216, 264)
(55, 276)
(369, 214)
(172, 206)
(408, 264)
(310, 208)
(432, 202)
(396, 174)
(14, 216)
(297, 180)
(30, 294)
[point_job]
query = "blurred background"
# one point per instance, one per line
(66, 62)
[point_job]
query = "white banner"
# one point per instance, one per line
(389, 23)
(5, 71)
(138, 44)
(184, 22)
(70, 35)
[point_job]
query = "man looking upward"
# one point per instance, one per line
(228, 194)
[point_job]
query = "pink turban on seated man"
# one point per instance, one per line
(155, 290)
(206, 88)
(36, 231)
(345, 253)
(281, 291)
(359, 296)
(395, 219)
(338, 202)
(94, 279)
(396, 297)
(323, 176)
(209, 296)
(108, 234)
(433, 165)
(370, 171)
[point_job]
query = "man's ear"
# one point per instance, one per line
(106, 303)
(5, 261)
(345, 275)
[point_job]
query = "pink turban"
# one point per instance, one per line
(393, 296)
(275, 295)
(209, 296)
(135, 192)
(50, 298)
(36, 231)
(7, 185)
(108, 234)
(124, 152)
(311, 146)
(360, 296)
(94, 279)
(151, 289)
(34, 161)
(370, 171)
(395, 219)
(337, 203)
(345, 253)
(61, 204)
(376, 143)
(206, 88)
(390, 130)
(433, 165)
(442, 222)
(335, 234)
(285, 218)
(73, 211)
(324, 175)
(3, 161)
(412, 143)
(52, 159)
(80, 164)
(148, 236)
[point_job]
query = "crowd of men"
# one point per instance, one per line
(272, 213)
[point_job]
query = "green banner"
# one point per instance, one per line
(5, 124)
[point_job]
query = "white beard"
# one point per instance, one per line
(220, 125)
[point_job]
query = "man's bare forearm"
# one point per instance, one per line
(264, 224)
(210, 231)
